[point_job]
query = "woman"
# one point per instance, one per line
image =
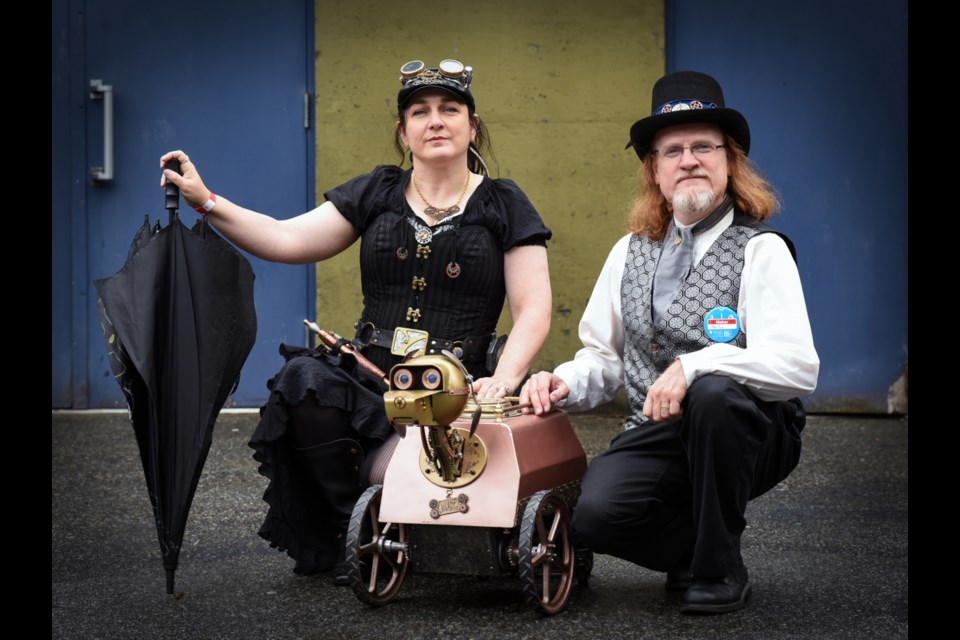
(323, 434)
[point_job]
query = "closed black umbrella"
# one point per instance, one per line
(179, 322)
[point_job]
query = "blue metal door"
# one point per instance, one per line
(823, 85)
(229, 83)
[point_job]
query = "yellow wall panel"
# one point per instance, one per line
(558, 84)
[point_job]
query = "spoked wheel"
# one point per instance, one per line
(376, 552)
(545, 554)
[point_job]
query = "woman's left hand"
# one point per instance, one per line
(492, 387)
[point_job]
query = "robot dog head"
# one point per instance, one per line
(425, 390)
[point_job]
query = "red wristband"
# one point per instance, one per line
(208, 205)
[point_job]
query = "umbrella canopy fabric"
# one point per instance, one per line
(179, 322)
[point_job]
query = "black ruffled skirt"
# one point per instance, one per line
(295, 521)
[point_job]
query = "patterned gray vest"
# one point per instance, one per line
(713, 282)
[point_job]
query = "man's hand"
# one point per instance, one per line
(666, 394)
(542, 390)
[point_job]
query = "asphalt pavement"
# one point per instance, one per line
(826, 551)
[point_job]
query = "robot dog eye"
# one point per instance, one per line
(431, 378)
(402, 379)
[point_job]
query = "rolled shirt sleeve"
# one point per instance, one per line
(596, 372)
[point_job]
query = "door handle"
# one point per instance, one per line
(98, 91)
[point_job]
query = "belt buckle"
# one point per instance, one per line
(409, 342)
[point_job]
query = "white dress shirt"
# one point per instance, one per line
(779, 362)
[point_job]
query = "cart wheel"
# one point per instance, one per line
(546, 560)
(376, 553)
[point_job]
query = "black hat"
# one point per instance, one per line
(683, 97)
(450, 76)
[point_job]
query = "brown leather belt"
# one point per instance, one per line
(471, 349)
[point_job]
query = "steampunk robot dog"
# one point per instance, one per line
(484, 490)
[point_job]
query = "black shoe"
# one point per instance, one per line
(679, 579)
(341, 577)
(717, 595)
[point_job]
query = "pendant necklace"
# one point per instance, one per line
(439, 214)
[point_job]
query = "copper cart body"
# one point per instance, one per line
(490, 493)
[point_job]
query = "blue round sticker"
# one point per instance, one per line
(721, 324)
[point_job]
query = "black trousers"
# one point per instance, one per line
(667, 493)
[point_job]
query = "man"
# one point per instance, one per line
(713, 349)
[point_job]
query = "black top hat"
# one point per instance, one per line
(683, 97)
(450, 76)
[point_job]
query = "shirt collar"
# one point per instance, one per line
(711, 220)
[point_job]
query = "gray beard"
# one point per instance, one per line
(690, 204)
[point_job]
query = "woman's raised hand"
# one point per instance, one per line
(191, 185)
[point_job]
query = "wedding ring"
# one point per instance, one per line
(664, 408)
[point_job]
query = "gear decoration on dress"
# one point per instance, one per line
(423, 235)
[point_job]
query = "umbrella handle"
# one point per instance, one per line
(171, 191)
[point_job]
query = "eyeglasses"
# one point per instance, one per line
(451, 70)
(701, 150)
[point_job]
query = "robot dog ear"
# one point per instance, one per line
(466, 375)
(457, 362)
(475, 420)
